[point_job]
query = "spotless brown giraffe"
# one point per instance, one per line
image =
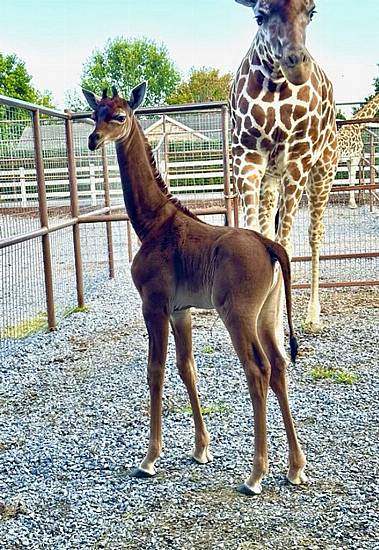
(284, 131)
(183, 263)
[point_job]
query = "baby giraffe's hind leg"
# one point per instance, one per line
(242, 330)
(278, 383)
(182, 328)
(296, 456)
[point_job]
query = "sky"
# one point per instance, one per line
(54, 38)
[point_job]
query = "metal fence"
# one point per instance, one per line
(64, 231)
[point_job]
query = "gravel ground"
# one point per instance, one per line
(74, 420)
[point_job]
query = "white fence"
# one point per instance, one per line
(18, 188)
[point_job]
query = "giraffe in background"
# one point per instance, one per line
(350, 142)
(284, 136)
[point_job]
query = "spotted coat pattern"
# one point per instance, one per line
(350, 142)
(283, 141)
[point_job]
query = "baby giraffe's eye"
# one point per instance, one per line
(119, 118)
(260, 20)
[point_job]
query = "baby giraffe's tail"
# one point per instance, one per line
(279, 253)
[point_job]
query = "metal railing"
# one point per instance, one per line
(35, 211)
(64, 230)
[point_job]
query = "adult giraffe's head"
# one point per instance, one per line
(283, 25)
(112, 115)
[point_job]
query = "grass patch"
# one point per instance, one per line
(70, 310)
(338, 376)
(26, 328)
(215, 408)
(207, 349)
(29, 327)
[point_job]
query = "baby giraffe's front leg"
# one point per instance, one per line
(182, 328)
(157, 323)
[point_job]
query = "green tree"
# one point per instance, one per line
(74, 101)
(376, 83)
(15, 82)
(125, 63)
(205, 84)
(371, 96)
(340, 115)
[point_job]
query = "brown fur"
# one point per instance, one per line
(183, 262)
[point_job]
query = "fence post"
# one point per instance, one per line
(165, 151)
(372, 167)
(74, 211)
(23, 186)
(107, 202)
(44, 221)
(235, 204)
(226, 162)
(130, 246)
(92, 184)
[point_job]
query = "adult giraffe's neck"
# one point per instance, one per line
(369, 109)
(146, 202)
(261, 57)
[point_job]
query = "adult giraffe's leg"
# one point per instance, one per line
(157, 323)
(353, 164)
(182, 329)
(243, 332)
(318, 189)
(249, 168)
(268, 205)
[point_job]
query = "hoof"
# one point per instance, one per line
(298, 479)
(250, 491)
(141, 474)
(204, 458)
(353, 206)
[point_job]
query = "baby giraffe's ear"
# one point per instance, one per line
(91, 98)
(137, 96)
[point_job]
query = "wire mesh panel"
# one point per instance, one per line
(17, 185)
(347, 232)
(350, 252)
(22, 292)
(93, 239)
(188, 148)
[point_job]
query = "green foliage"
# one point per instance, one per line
(340, 115)
(205, 84)
(29, 327)
(125, 63)
(78, 309)
(214, 408)
(75, 102)
(371, 96)
(338, 376)
(207, 349)
(376, 83)
(15, 82)
(26, 328)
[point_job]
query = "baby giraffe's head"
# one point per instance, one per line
(113, 115)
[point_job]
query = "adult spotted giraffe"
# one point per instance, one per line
(284, 131)
(350, 143)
